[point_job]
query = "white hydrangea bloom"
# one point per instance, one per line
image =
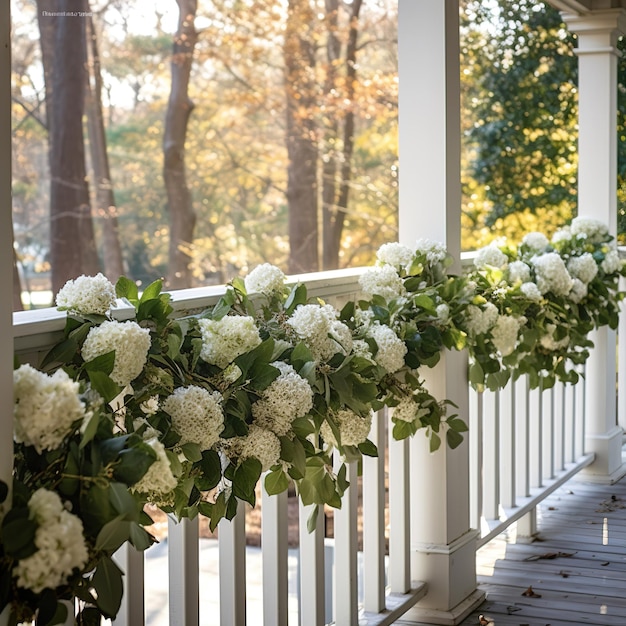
(552, 275)
(443, 312)
(130, 342)
(45, 407)
(224, 340)
(197, 415)
(549, 342)
(504, 333)
(535, 241)
(382, 281)
(518, 271)
(583, 267)
(561, 235)
(595, 231)
(406, 411)
(60, 544)
(150, 406)
(318, 327)
(612, 262)
(288, 397)
(391, 349)
(579, 290)
(159, 479)
(395, 254)
(353, 428)
(531, 291)
(480, 320)
(87, 295)
(491, 256)
(266, 279)
(261, 444)
(360, 347)
(435, 251)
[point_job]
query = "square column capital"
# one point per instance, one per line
(597, 31)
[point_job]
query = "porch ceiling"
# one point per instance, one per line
(585, 6)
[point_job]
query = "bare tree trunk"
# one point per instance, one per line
(300, 88)
(182, 215)
(17, 285)
(72, 242)
(105, 208)
(335, 217)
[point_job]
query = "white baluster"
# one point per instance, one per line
(232, 546)
(182, 542)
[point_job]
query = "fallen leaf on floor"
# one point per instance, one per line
(605, 563)
(564, 574)
(513, 609)
(529, 593)
(548, 555)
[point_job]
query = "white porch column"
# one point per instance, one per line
(597, 53)
(443, 545)
(6, 251)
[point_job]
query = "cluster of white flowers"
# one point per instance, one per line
(435, 251)
(224, 340)
(579, 290)
(197, 415)
(288, 397)
(505, 332)
(353, 428)
(395, 254)
(360, 347)
(318, 327)
(552, 275)
(611, 262)
(130, 342)
(266, 279)
(150, 406)
(391, 349)
(491, 256)
(549, 342)
(561, 235)
(535, 241)
(518, 271)
(480, 320)
(159, 480)
(383, 281)
(45, 407)
(443, 312)
(87, 295)
(594, 231)
(531, 291)
(60, 544)
(583, 267)
(261, 444)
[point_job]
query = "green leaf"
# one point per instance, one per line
(192, 452)
(368, 448)
(123, 501)
(311, 522)
(139, 537)
(18, 537)
(276, 482)
(152, 291)
(90, 430)
(63, 352)
(103, 363)
(435, 441)
(103, 384)
(246, 478)
(298, 295)
(454, 439)
(113, 535)
(126, 288)
(107, 582)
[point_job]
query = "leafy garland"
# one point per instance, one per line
(189, 413)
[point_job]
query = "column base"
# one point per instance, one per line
(609, 465)
(418, 615)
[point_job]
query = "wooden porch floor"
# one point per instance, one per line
(576, 568)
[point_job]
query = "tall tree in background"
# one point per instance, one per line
(301, 137)
(63, 47)
(337, 168)
(179, 107)
(105, 208)
(522, 100)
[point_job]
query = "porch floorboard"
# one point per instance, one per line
(576, 565)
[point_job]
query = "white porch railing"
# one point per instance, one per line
(523, 445)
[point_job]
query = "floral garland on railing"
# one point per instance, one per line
(189, 413)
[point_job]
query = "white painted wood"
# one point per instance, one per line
(508, 445)
(547, 433)
(312, 569)
(399, 571)
(274, 542)
(374, 517)
(132, 610)
(621, 358)
(345, 579)
(6, 253)
(580, 391)
(475, 437)
(491, 459)
(183, 560)
(597, 34)
(535, 441)
(232, 548)
(559, 426)
(569, 412)
(522, 474)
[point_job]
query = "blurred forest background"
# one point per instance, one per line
(194, 139)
